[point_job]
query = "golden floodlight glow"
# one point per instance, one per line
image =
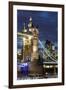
(34, 49)
(25, 30)
(24, 40)
(30, 29)
(30, 37)
(51, 66)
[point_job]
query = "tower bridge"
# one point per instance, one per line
(30, 50)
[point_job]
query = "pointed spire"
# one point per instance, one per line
(24, 28)
(30, 22)
(30, 19)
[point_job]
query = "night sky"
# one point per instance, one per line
(45, 21)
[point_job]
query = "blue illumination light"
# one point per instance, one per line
(24, 64)
(24, 69)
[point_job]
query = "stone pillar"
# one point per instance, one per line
(35, 48)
